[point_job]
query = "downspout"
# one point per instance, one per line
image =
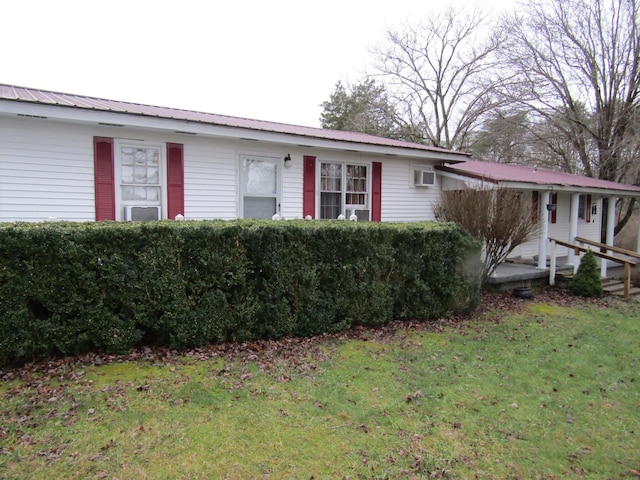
(544, 228)
(573, 226)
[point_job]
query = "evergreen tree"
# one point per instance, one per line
(586, 282)
(363, 108)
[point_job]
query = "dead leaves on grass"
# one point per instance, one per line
(45, 389)
(46, 384)
(300, 354)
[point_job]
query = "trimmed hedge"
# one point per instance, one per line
(75, 288)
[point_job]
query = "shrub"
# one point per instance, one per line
(586, 281)
(500, 219)
(73, 288)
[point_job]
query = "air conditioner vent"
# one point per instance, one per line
(134, 213)
(363, 215)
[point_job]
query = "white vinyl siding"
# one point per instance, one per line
(210, 178)
(402, 201)
(46, 170)
(291, 202)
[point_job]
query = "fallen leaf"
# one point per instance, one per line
(413, 396)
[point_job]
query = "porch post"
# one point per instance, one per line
(543, 228)
(573, 226)
(611, 222)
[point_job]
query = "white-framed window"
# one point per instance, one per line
(140, 181)
(586, 208)
(259, 186)
(582, 207)
(344, 189)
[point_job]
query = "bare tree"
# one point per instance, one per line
(439, 74)
(500, 219)
(575, 65)
(553, 147)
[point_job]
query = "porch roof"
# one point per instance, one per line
(529, 177)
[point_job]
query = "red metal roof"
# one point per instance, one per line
(30, 95)
(508, 172)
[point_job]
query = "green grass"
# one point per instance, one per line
(546, 392)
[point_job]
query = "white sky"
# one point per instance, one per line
(274, 60)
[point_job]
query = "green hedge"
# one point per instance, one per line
(74, 288)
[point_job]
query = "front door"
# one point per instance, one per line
(259, 181)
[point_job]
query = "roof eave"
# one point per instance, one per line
(111, 118)
(616, 192)
(462, 176)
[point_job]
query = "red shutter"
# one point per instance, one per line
(554, 201)
(175, 180)
(535, 202)
(104, 178)
(376, 192)
(309, 187)
(587, 214)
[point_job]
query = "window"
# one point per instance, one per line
(553, 217)
(344, 189)
(582, 207)
(136, 171)
(259, 186)
(585, 209)
(139, 181)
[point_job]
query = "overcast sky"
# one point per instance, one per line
(274, 60)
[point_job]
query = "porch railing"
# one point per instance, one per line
(633, 257)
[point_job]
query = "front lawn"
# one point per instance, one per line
(548, 388)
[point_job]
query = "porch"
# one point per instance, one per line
(525, 272)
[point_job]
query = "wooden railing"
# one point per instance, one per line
(623, 251)
(627, 262)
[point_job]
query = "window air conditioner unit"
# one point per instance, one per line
(134, 213)
(363, 215)
(424, 178)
